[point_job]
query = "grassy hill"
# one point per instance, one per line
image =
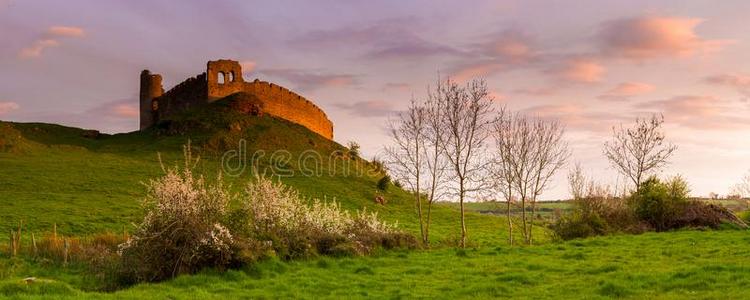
(88, 183)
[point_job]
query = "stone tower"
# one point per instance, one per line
(224, 78)
(150, 88)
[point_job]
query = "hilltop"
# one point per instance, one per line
(88, 182)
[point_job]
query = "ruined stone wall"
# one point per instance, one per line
(150, 88)
(207, 87)
(231, 71)
(281, 102)
(189, 93)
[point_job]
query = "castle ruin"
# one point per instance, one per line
(223, 78)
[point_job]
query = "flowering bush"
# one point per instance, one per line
(295, 228)
(182, 230)
(188, 226)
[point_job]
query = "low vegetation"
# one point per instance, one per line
(656, 206)
(189, 226)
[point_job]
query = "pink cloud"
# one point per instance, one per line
(653, 36)
(479, 70)
(625, 90)
(537, 91)
(310, 80)
(371, 108)
(397, 86)
(66, 31)
(583, 70)
(497, 96)
(740, 82)
(509, 46)
(49, 39)
(248, 66)
(35, 50)
(699, 112)
(8, 106)
(125, 110)
(555, 110)
(698, 106)
(575, 116)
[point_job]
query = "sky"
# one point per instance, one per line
(590, 64)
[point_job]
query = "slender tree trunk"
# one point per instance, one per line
(463, 220)
(419, 212)
(510, 224)
(427, 224)
(531, 222)
(523, 219)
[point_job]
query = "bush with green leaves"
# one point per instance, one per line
(384, 182)
(183, 229)
(660, 203)
(295, 227)
(188, 226)
(596, 212)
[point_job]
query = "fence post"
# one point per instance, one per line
(65, 252)
(33, 245)
(10, 244)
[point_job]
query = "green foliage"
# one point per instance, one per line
(673, 265)
(353, 148)
(745, 216)
(579, 224)
(596, 213)
(184, 228)
(659, 203)
(384, 182)
(398, 184)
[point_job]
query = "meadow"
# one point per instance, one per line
(51, 175)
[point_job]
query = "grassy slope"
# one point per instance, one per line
(679, 265)
(50, 174)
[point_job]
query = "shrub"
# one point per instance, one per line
(353, 148)
(384, 182)
(579, 225)
(182, 230)
(294, 228)
(660, 203)
(596, 212)
(378, 165)
(398, 184)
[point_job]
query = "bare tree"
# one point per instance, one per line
(742, 188)
(577, 182)
(435, 160)
(512, 133)
(550, 154)
(502, 169)
(529, 153)
(417, 156)
(406, 156)
(636, 152)
(467, 121)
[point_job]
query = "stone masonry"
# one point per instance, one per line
(223, 78)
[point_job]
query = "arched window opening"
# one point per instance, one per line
(231, 77)
(221, 78)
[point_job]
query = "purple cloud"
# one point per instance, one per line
(310, 80)
(372, 108)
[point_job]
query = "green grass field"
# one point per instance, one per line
(52, 175)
